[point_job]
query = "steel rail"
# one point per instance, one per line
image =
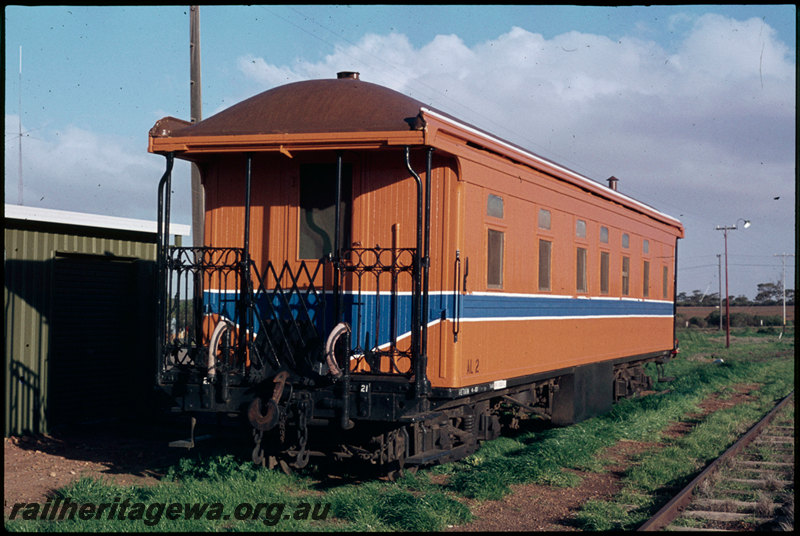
(672, 509)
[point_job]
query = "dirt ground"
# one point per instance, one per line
(533, 507)
(35, 467)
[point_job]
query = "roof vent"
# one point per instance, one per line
(612, 182)
(352, 75)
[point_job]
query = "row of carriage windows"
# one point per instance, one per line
(317, 224)
(495, 257)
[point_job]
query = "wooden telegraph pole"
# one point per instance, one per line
(198, 197)
(783, 286)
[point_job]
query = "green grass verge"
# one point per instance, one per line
(419, 503)
(658, 474)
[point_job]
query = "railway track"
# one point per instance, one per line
(749, 487)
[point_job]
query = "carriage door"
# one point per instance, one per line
(318, 209)
(317, 229)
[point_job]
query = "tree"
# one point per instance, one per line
(699, 298)
(770, 294)
(740, 301)
(696, 298)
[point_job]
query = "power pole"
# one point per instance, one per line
(725, 229)
(198, 195)
(719, 262)
(783, 284)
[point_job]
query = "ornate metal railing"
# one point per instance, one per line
(198, 287)
(281, 314)
(201, 286)
(380, 314)
(290, 316)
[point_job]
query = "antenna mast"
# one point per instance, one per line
(19, 120)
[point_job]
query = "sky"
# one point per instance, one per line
(692, 107)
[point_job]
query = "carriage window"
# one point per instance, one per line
(318, 210)
(544, 264)
(625, 240)
(580, 282)
(665, 282)
(604, 235)
(646, 280)
(626, 272)
(494, 206)
(646, 246)
(494, 270)
(604, 265)
(544, 219)
(580, 229)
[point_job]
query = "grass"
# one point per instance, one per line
(432, 500)
(650, 482)
(763, 501)
(413, 504)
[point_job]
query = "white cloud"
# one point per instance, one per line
(722, 49)
(82, 171)
(268, 75)
(706, 132)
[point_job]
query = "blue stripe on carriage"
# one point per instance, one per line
(361, 312)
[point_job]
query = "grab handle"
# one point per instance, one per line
(457, 297)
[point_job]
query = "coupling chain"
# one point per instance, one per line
(302, 433)
(258, 451)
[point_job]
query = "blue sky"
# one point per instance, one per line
(692, 107)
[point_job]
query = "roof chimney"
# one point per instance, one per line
(612, 182)
(352, 75)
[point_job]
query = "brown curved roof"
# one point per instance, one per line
(337, 105)
(346, 111)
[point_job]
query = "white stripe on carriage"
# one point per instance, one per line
(554, 317)
(488, 294)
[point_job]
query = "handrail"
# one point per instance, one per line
(457, 296)
(161, 231)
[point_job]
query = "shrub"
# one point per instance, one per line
(739, 320)
(774, 320)
(696, 321)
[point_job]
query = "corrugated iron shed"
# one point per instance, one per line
(78, 307)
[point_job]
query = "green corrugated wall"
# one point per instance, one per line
(31, 249)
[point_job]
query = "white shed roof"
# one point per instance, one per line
(49, 215)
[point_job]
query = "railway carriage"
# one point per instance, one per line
(382, 281)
